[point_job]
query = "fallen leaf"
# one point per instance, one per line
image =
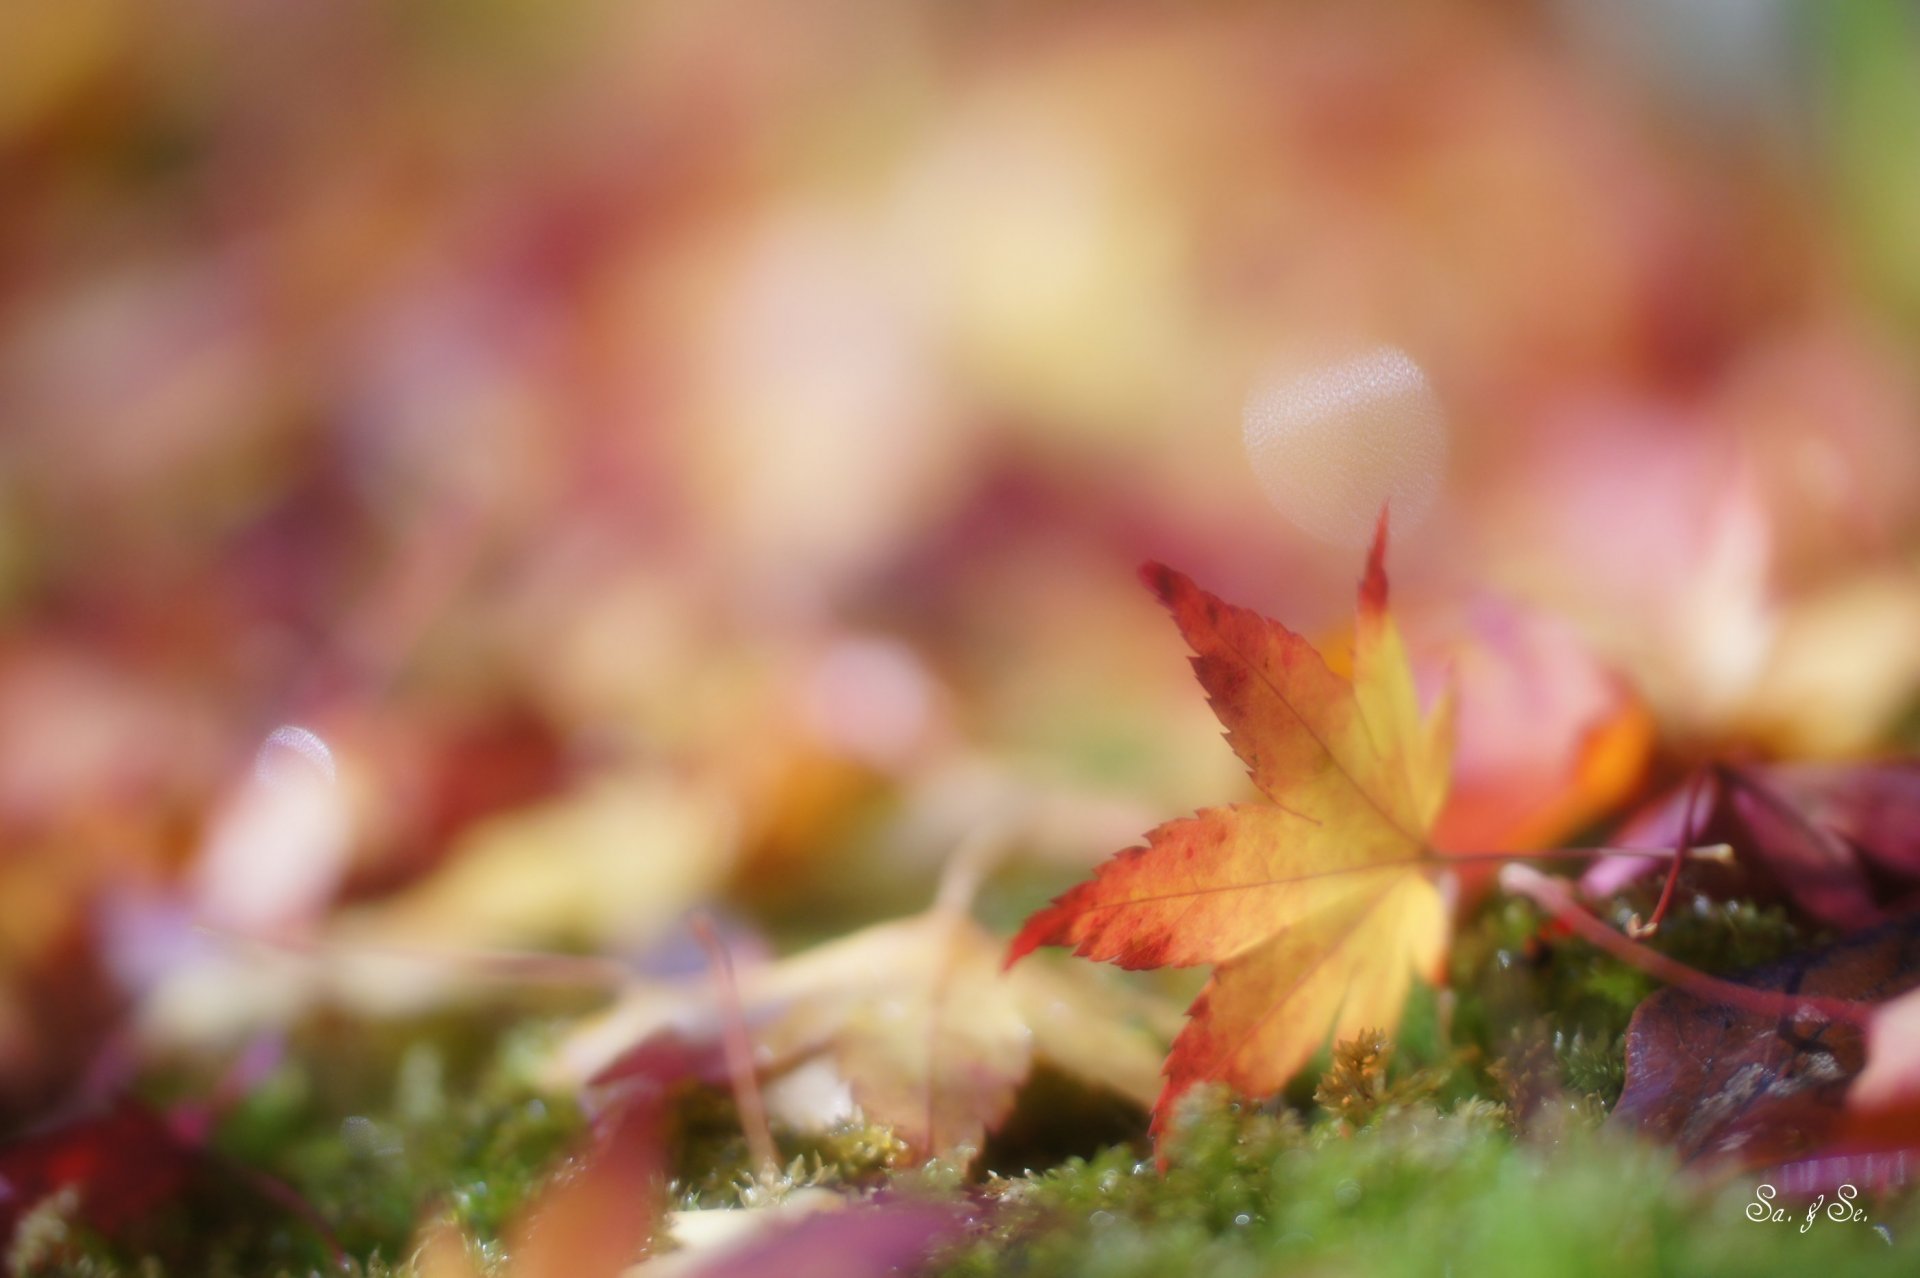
(1717, 596)
(1883, 1109)
(1839, 842)
(1316, 909)
(615, 860)
(845, 1241)
(1841, 666)
(913, 1014)
(59, 1004)
(595, 1220)
(1547, 738)
(701, 1234)
(121, 1165)
(114, 1171)
(1828, 1173)
(1718, 1081)
(1680, 595)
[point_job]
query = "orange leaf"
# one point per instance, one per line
(1315, 909)
(593, 1221)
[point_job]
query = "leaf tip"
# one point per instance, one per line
(1026, 942)
(1373, 586)
(1163, 581)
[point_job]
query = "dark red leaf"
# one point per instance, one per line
(122, 1164)
(1717, 1081)
(1838, 842)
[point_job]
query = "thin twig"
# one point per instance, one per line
(739, 1048)
(515, 967)
(970, 863)
(1705, 852)
(1641, 931)
(1553, 895)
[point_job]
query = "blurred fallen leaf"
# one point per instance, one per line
(614, 861)
(1883, 1106)
(1841, 666)
(1699, 596)
(596, 1218)
(811, 1234)
(1546, 737)
(915, 1016)
(117, 1171)
(119, 1166)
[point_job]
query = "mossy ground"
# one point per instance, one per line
(1474, 1146)
(1418, 1191)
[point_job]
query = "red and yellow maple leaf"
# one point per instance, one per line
(1316, 909)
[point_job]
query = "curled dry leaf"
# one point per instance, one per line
(1316, 909)
(914, 1015)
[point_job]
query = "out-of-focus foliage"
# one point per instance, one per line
(912, 1021)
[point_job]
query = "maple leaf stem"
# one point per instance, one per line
(1705, 852)
(738, 1047)
(1635, 928)
(1556, 898)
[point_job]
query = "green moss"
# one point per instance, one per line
(1471, 1144)
(1420, 1191)
(712, 1166)
(1521, 985)
(375, 1124)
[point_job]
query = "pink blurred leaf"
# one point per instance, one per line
(1547, 738)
